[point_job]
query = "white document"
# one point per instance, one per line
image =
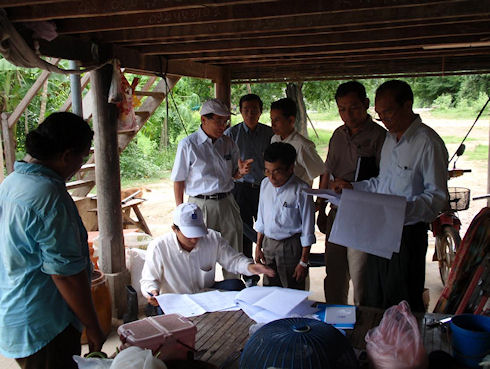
(332, 196)
(197, 304)
(282, 300)
(370, 222)
(179, 303)
(265, 304)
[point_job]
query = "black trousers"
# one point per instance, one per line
(247, 199)
(403, 277)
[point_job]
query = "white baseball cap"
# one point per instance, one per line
(188, 217)
(215, 106)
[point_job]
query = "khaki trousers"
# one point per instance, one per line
(223, 216)
(283, 256)
(342, 264)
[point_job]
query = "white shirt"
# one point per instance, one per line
(285, 211)
(207, 167)
(414, 167)
(171, 269)
(309, 164)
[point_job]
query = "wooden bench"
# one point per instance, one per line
(126, 207)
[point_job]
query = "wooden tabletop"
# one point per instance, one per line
(222, 335)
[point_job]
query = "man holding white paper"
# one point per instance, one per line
(354, 152)
(413, 165)
(185, 261)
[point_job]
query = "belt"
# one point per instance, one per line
(214, 196)
(250, 184)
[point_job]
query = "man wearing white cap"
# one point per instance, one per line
(206, 163)
(184, 261)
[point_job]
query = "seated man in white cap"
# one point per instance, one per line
(184, 261)
(206, 163)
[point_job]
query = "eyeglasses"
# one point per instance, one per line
(387, 115)
(220, 121)
(274, 172)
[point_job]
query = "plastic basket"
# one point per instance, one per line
(459, 198)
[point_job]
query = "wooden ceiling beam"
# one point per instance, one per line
(337, 49)
(401, 55)
(415, 35)
(461, 24)
(19, 3)
(89, 9)
(282, 9)
(90, 54)
(432, 13)
(362, 69)
(345, 76)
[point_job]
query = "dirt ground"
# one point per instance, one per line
(158, 208)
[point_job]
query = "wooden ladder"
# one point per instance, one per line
(85, 178)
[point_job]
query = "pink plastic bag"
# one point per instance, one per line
(396, 342)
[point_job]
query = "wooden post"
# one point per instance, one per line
(222, 87)
(488, 167)
(8, 143)
(2, 164)
(107, 176)
(293, 91)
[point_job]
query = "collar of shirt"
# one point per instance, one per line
(256, 131)
(203, 137)
(23, 167)
(367, 125)
(284, 186)
(412, 128)
(181, 249)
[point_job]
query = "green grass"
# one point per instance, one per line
(456, 139)
(480, 152)
(331, 114)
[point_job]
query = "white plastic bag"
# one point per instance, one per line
(396, 342)
(92, 363)
(136, 358)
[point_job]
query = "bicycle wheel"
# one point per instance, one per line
(446, 245)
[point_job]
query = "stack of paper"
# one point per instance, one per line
(366, 221)
(196, 304)
(265, 304)
(340, 316)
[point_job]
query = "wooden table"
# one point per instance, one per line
(222, 335)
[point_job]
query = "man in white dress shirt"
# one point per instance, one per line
(206, 163)
(184, 261)
(286, 220)
(309, 164)
(413, 164)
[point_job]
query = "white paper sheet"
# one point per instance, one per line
(199, 303)
(370, 222)
(332, 196)
(265, 304)
(282, 300)
(177, 303)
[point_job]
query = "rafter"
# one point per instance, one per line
(282, 9)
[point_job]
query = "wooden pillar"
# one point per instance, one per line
(222, 87)
(488, 167)
(107, 176)
(8, 143)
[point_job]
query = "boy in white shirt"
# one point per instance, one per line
(285, 221)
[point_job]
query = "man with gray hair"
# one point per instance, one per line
(206, 163)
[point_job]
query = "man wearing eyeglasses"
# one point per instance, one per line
(413, 164)
(206, 163)
(286, 220)
(353, 154)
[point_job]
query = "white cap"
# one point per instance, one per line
(188, 217)
(215, 106)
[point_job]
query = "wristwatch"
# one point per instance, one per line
(303, 264)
